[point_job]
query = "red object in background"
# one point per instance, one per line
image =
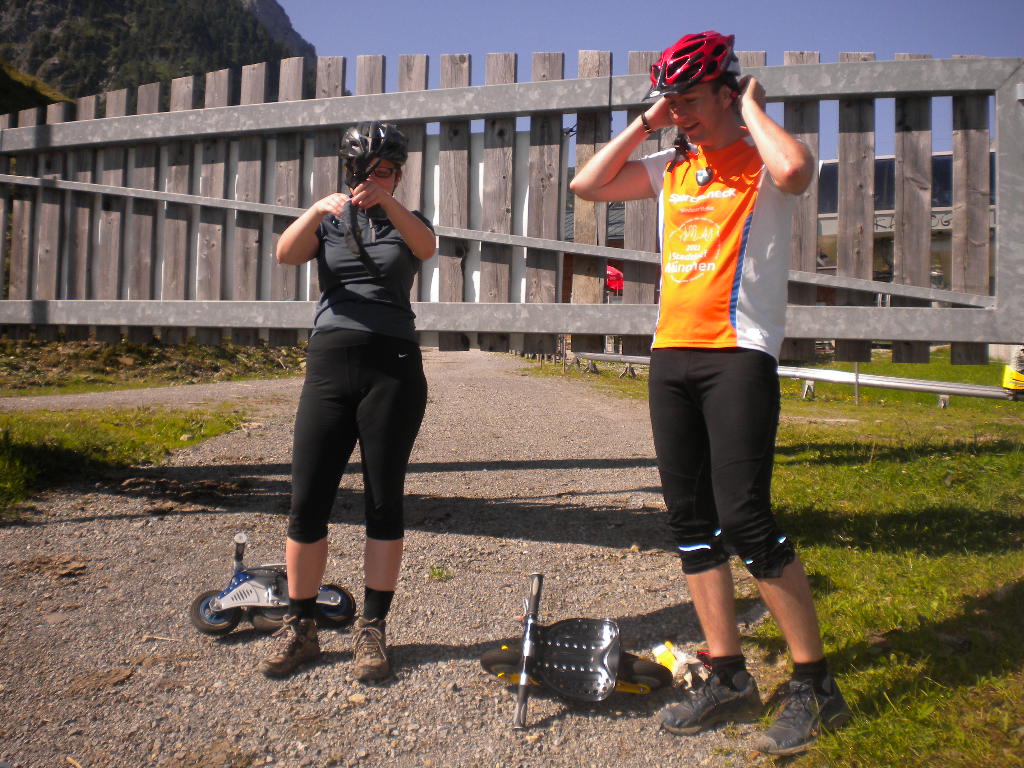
(613, 279)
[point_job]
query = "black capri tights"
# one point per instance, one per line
(372, 392)
(714, 414)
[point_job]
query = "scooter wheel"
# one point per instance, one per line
(504, 664)
(639, 670)
(268, 619)
(335, 616)
(209, 621)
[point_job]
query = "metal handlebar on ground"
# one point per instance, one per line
(529, 650)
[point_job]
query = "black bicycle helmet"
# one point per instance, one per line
(365, 144)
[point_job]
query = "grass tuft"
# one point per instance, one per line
(439, 573)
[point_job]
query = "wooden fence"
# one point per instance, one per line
(118, 218)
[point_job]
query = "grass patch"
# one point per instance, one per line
(439, 573)
(40, 368)
(606, 379)
(910, 520)
(41, 449)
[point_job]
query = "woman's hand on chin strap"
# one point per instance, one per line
(369, 194)
(333, 204)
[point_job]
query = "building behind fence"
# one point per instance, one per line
(121, 218)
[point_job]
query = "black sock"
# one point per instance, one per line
(304, 608)
(814, 672)
(725, 667)
(376, 603)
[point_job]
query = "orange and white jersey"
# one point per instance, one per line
(725, 251)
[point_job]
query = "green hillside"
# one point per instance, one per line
(85, 47)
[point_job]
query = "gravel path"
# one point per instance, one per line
(511, 474)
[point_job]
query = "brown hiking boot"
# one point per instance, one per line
(299, 644)
(370, 649)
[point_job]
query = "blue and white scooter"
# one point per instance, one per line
(260, 593)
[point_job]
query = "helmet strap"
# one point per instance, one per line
(684, 149)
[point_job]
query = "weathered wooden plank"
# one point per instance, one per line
(5, 207)
(23, 210)
(141, 215)
(248, 187)
(84, 212)
(108, 262)
(640, 281)
(590, 219)
(22, 245)
(173, 235)
(412, 76)
(855, 230)
(47, 273)
(453, 203)
(912, 222)
(370, 75)
(142, 220)
(212, 222)
(543, 210)
(971, 187)
(178, 173)
(803, 120)
(286, 190)
(330, 82)
(286, 170)
(498, 190)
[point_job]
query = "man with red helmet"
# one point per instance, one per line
(727, 192)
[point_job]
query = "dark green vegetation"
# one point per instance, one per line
(86, 47)
(20, 91)
(40, 449)
(910, 520)
(36, 368)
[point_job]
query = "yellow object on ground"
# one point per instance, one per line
(1012, 379)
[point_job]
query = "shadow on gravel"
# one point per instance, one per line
(264, 488)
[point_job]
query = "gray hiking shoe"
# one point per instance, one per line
(713, 703)
(803, 714)
(299, 644)
(370, 649)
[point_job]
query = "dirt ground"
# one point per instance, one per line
(511, 474)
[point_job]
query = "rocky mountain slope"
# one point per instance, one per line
(83, 47)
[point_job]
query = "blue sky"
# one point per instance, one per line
(941, 28)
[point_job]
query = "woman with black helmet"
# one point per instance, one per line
(364, 381)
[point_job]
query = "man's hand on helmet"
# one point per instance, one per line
(751, 90)
(658, 115)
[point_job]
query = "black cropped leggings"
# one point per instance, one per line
(714, 415)
(373, 392)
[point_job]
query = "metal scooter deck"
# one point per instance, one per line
(579, 658)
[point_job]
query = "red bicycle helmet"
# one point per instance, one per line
(695, 59)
